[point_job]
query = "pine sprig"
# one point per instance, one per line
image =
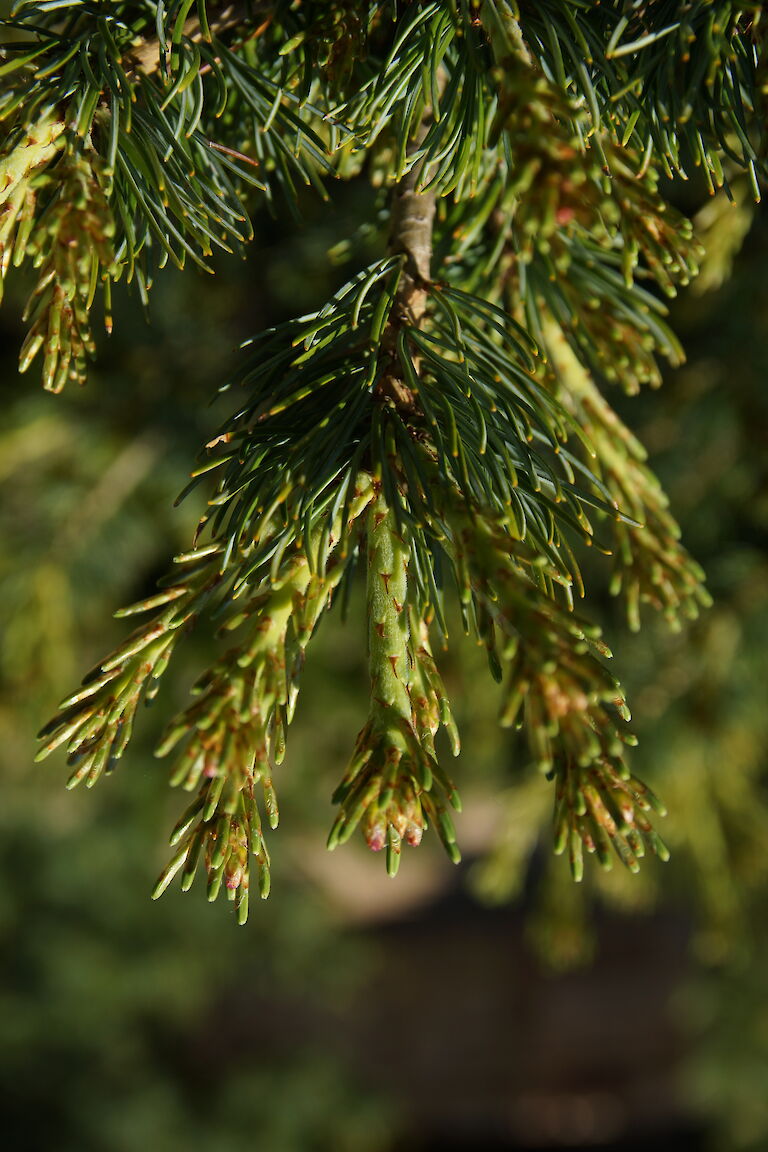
(301, 434)
(72, 246)
(431, 65)
(617, 331)
(394, 786)
(96, 722)
(650, 564)
(565, 192)
(180, 126)
(324, 401)
(678, 82)
(172, 192)
(556, 688)
(225, 842)
(599, 809)
(24, 155)
(233, 735)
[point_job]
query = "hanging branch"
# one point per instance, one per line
(394, 785)
(440, 419)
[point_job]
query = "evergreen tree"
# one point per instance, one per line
(441, 422)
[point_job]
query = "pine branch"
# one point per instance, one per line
(390, 785)
(148, 117)
(436, 419)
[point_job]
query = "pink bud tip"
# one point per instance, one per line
(376, 838)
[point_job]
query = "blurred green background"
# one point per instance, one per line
(494, 1005)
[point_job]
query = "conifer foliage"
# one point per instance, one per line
(443, 422)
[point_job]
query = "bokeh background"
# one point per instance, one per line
(493, 1005)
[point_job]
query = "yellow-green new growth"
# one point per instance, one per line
(390, 784)
(36, 148)
(557, 690)
(55, 212)
(651, 566)
(234, 733)
(72, 246)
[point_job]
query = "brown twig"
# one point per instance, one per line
(412, 221)
(413, 216)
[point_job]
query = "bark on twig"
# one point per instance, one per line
(413, 216)
(412, 222)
